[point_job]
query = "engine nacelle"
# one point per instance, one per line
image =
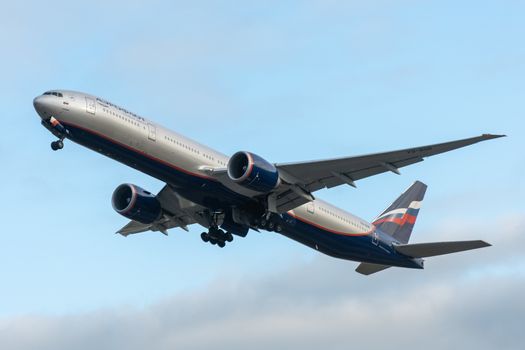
(253, 172)
(136, 203)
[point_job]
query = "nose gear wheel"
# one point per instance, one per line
(56, 145)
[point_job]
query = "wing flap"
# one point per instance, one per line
(288, 200)
(423, 250)
(133, 227)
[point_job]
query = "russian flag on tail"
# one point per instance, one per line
(399, 218)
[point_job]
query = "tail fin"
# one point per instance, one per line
(399, 218)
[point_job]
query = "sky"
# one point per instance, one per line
(290, 81)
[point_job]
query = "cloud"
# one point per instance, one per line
(467, 300)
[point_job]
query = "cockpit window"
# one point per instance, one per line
(54, 93)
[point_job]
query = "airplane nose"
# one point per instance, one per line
(42, 106)
(37, 103)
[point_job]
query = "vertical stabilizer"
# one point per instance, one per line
(399, 218)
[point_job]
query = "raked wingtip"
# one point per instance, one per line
(492, 136)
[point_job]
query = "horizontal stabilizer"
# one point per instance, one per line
(368, 269)
(423, 250)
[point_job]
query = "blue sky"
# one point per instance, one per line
(287, 80)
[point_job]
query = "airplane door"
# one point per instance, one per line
(310, 208)
(152, 132)
(90, 105)
(375, 240)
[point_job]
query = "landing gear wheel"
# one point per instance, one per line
(229, 237)
(278, 228)
(221, 244)
(56, 145)
(205, 237)
(271, 225)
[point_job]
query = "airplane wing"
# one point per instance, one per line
(177, 212)
(301, 179)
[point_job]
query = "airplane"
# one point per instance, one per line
(228, 196)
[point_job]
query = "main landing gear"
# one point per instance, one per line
(217, 236)
(56, 145)
(270, 223)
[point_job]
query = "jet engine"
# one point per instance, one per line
(253, 172)
(136, 203)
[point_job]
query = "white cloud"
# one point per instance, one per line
(459, 302)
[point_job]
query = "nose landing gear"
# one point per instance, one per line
(57, 129)
(56, 145)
